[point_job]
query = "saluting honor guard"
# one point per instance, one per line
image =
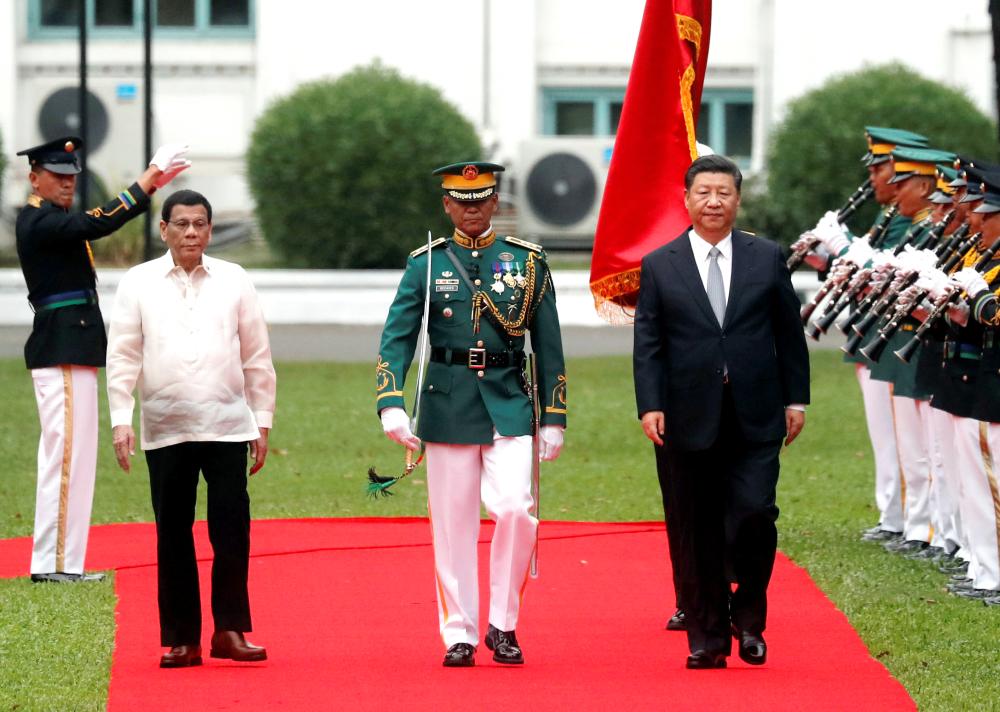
(67, 343)
(481, 295)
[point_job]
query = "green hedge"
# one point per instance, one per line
(812, 159)
(340, 169)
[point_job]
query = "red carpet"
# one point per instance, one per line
(346, 609)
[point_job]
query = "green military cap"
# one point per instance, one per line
(882, 139)
(909, 161)
(945, 176)
(469, 181)
(58, 155)
(990, 186)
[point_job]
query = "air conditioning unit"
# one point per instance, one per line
(562, 182)
(115, 115)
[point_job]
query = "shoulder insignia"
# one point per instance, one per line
(524, 243)
(423, 248)
(34, 201)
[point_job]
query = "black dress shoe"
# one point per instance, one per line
(704, 660)
(931, 553)
(752, 648)
(60, 577)
(877, 533)
(460, 655)
(504, 646)
(677, 621)
(910, 546)
(181, 656)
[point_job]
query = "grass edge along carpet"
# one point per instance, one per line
(347, 611)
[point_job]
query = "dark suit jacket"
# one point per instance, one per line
(680, 349)
(52, 248)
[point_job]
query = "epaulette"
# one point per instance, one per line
(423, 248)
(524, 243)
(34, 201)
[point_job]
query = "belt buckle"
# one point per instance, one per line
(477, 359)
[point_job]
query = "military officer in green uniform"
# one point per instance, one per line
(67, 342)
(485, 294)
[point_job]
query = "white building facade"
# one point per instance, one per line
(520, 70)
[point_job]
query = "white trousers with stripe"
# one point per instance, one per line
(945, 517)
(67, 465)
(458, 476)
(978, 447)
(877, 398)
(911, 419)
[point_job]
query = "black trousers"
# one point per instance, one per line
(173, 480)
(720, 514)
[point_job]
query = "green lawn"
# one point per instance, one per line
(326, 435)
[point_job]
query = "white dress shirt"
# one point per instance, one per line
(196, 344)
(702, 247)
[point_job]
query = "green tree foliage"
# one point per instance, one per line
(812, 158)
(340, 169)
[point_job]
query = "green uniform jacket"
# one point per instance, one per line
(460, 405)
(54, 250)
(889, 368)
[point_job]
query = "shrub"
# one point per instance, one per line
(340, 169)
(812, 158)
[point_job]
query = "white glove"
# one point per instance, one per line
(906, 298)
(859, 252)
(959, 313)
(969, 281)
(167, 154)
(831, 233)
(396, 424)
(817, 261)
(934, 282)
(550, 441)
(169, 158)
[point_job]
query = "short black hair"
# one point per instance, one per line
(184, 197)
(712, 164)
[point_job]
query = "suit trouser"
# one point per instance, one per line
(457, 477)
(721, 520)
(173, 480)
(877, 398)
(67, 466)
(979, 456)
(910, 418)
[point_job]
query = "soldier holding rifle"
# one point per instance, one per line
(876, 394)
(484, 294)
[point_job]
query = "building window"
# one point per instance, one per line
(581, 111)
(58, 19)
(726, 123)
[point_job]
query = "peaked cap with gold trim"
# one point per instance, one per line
(469, 181)
(882, 140)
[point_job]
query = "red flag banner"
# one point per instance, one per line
(643, 205)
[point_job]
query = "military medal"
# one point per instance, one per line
(519, 278)
(498, 285)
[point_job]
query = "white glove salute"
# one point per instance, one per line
(169, 158)
(396, 425)
(550, 441)
(969, 281)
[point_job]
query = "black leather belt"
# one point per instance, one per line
(65, 299)
(476, 359)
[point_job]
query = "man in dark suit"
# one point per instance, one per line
(721, 377)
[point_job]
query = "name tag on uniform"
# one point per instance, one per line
(445, 285)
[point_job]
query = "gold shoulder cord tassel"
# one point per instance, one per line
(518, 325)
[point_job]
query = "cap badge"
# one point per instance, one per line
(470, 172)
(69, 147)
